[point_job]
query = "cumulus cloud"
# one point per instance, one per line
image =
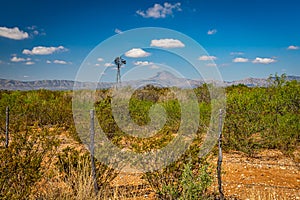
(35, 32)
(29, 63)
(33, 27)
(160, 11)
(206, 58)
(100, 59)
(108, 65)
(167, 43)
(62, 62)
(240, 60)
(154, 67)
(212, 32)
(142, 63)
(16, 59)
(293, 47)
(13, 33)
(211, 65)
(40, 50)
(237, 53)
(118, 31)
(259, 60)
(136, 53)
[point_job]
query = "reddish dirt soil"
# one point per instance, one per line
(268, 175)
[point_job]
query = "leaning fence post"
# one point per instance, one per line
(92, 135)
(7, 127)
(220, 158)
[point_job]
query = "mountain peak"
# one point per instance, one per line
(164, 75)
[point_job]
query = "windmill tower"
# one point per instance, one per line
(119, 62)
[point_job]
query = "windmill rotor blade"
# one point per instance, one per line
(117, 60)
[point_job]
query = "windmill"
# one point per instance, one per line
(119, 61)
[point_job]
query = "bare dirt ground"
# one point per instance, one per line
(268, 175)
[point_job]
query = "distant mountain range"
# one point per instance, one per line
(160, 79)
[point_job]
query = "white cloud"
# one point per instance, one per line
(16, 59)
(259, 60)
(33, 27)
(240, 60)
(167, 43)
(136, 53)
(13, 33)
(35, 32)
(224, 64)
(29, 63)
(212, 31)
(211, 65)
(118, 31)
(206, 58)
(142, 63)
(293, 47)
(237, 53)
(48, 61)
(160, 11)
(62, 62)
(100, 59)
(108, 65)
(40, 50)
(154, 67)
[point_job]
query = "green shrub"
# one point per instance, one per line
(21, 163)
(266, 118)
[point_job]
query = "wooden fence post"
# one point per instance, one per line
(7, 128)
(220, 158)
(92, 135)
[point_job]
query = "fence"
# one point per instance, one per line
(223, 184)
(239, 190)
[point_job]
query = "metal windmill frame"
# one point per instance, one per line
(119, 62)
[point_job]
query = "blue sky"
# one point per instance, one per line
(243, 38)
